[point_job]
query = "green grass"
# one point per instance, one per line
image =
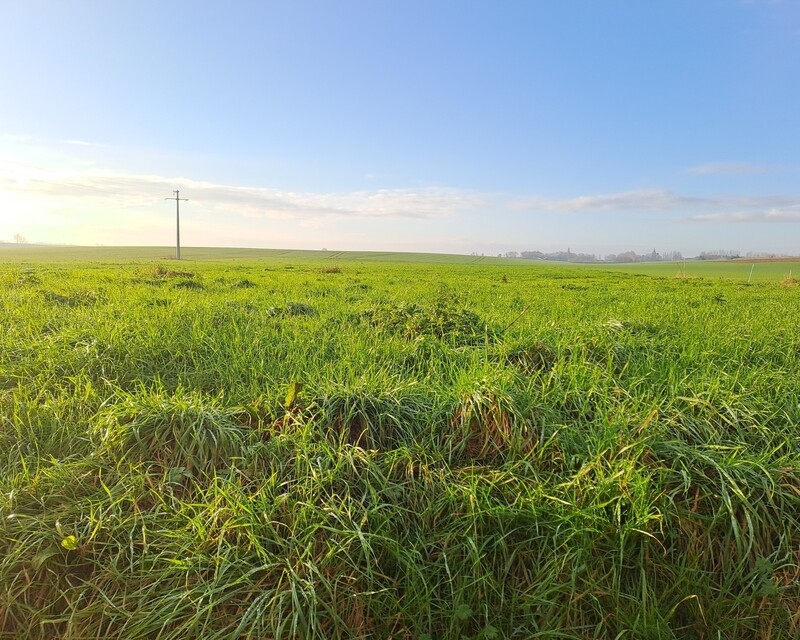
(742, 270)
(739, 270)
(10, 253)
(315, 445)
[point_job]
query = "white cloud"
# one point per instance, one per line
(712, 208)
(786, 214)
(430, 202)
(80, 143)
(640, 200)
(727, 168)
(131, 190)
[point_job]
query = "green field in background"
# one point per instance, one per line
(741, 270)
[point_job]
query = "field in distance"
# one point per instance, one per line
(755, 270)
(256, 444)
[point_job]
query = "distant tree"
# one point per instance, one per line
(20, 239)
(727, 254)
(512, 254)
(584, 257)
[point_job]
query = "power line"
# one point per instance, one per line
(177, 200)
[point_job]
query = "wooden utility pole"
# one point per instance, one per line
(177, 200)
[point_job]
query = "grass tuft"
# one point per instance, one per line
(187, 430)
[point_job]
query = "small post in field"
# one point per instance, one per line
(177, 200)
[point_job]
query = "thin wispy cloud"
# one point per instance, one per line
(430, 202)
(80, 143)
(727, 168)
(639, 200)
(400, 203)
(26, 139)
(787, 214)
(767, 208)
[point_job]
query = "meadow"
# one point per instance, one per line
(338, 445)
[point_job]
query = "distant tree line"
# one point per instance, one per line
(765, 254)
(570, 256)
(736, 255)
(719, 254)
(632, 256)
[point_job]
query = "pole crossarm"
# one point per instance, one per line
(177, 200)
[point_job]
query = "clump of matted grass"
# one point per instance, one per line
(190, 284)
(487, 426)
(531, 356)
(162, 272)
(186, 430)
(74, 299)
(28, 278)
(444, 319)
(293, 309)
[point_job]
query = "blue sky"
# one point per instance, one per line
(412, 126)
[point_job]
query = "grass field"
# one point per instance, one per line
(738, 270)
(743, 270)
(253, 444)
